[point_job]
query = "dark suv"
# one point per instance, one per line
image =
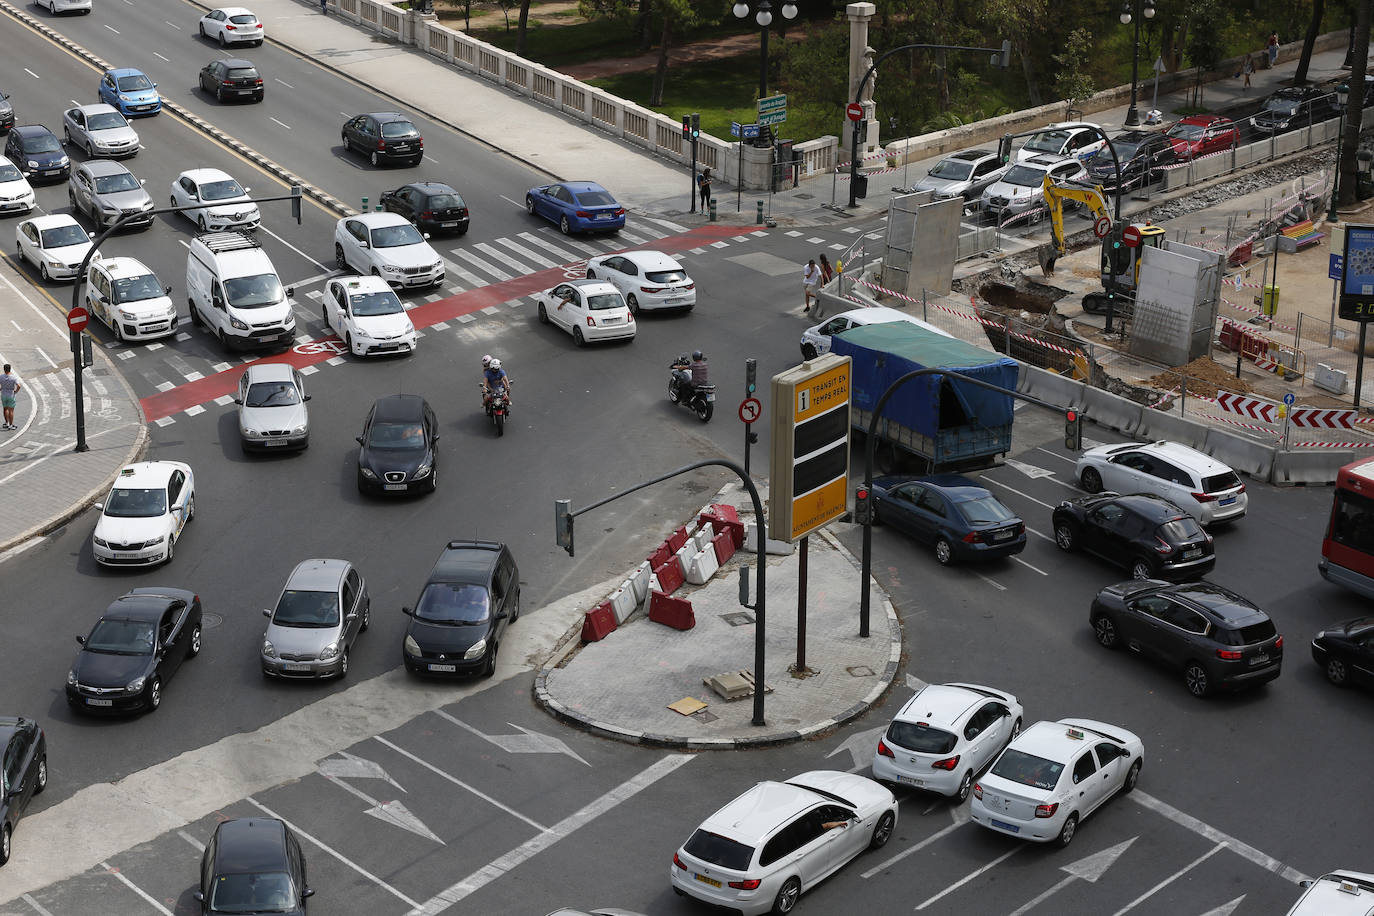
(1142, 154)
(384, 136)
(1293, 108)
(456, 626)
(37, 153)
(1147, 534)
(1215, 637)
(431, 205)
(23, 775)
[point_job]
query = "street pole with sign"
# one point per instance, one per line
(749, 408)
(1357, 290)
(77, 319)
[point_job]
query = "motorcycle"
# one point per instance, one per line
(699, 398)
(497, 406)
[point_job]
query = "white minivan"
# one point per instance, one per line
(816, 340)
(234, 292)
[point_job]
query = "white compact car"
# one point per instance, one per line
(128, 297)
(815, 340)
(1077, 139)
(272, 411)
(231, 25)
(368, 316)
(218, 201)
(944, 736)
(66, 6)
(1198, 484)
(55, 244)
(1053, 775)
(1340, 893)
(100, 130)
(16, 194)
(388, 246)
(588, 310)
(762, 850)
(647, 279)
(145, 513)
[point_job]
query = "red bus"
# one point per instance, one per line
(1348, 548)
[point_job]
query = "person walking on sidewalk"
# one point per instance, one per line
(1247, 68)
(704, 187)
(1273, 46)
(827, 272)
(811, 278)
(324, 7)
(9, 387)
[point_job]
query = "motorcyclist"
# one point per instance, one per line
(700, 371)
(494, 379)
(682, 373)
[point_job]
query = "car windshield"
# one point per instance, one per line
(719, 851)
(307, 609)
(677, 275)
(1178, 530)
(1124, 151)
(920, 737)
(106, 120)
(396, 435)
(595, 199)
(1186, 131)
(243, 73)
(128, 502)
(602, 301)
(1027, 769)
(1282, 106)
(111, 184)
(1050, 141)
(253, 292)
(62, 236)
(1025, 176)
(394, 130)
(952, 169)
(41, 143)
(243, 19)
(8, 172)
(451, 602)
(396, 236)
(272, 394)
(122, 637)
(365, 305)
(444, 202)
(220, 190)
(985, 510)
(136, 289)
(270, 892)
(136, 83)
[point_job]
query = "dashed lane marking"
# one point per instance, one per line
(1244, 850)
(970, 876)
(462, 785)
(1169, 880)
(147, 898)
(1017, 492)
(36, 905)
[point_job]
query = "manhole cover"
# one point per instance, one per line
(209, 621)
(804, 196)
(704, 715)
(737, 619)
(860, 671)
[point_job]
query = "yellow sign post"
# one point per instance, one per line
(809, 465)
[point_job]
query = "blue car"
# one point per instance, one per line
(130, 91)
(960, 519)
(576, 206)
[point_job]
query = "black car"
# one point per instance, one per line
(1147, 534)
(25, 773)
(1143, 155)
(431, 205)
(1346, 652)
(397, 451)
(134, 649)
(384, 136)
(6, 112)
(253, 865)
(1292, 108)
(960, 519)
(1216, 638)
(234, 78)
(37, 153)
(471, 596)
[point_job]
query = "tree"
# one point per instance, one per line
(1205, 46)
(522, 28)
(1023, 23)
(1350, 137)
(1314, 28)
(1072, 82)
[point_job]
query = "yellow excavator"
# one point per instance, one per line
(1119, 261)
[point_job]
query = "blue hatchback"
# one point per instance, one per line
(960, 519)
(130, 91)
(576, 206)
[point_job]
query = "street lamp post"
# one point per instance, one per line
(1342, 94)
(1133, 116)
(764, 17)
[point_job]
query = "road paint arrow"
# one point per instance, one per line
(528, 742)
(1030, 470)
(1226, 909)
(392, 812)
(860, 746)
(350, 767)
(1089, 869)
(398, 815)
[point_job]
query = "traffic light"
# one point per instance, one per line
(863, 507)
(751, 371)
(1004, 149)
(686, 127)
(696, 126)
(563, 525)
(1002, 60)
(296, 203)
(1073, 430)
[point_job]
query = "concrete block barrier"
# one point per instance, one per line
(703, 536)
(671, 612)
(777, 548)
(684, 556)
(1156, 424)
(1051, 388)
(639, 581)
(1114, 411)
(703, 566)
(669, 576)
(677, 539)
(724, 546)
(1249, 456)
(623, 602)
(598, 622)
(1311, 467)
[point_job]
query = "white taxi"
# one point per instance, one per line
(387, 245)
(1340, 893)
(648, 279)
(128, 297)
(588, 310)
(145, 513)
(368, 317)
(1053, 775)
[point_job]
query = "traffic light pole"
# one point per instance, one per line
(751, 368)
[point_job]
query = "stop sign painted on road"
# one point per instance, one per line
(77, 318)
(1131, 236)
(854, 111)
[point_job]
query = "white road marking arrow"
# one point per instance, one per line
(350, 767)
(397, 815)
(392, 812)
(528, 742)
(1087, 869)
(1030, 470)
(860, 746)
(1226, 909)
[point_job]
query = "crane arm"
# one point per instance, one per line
(1055, 195)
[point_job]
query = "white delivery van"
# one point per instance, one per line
(816, 340)
(234, 292)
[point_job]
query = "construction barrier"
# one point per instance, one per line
(677, 539)
(703, 536)
(1241, 452)
(1156, 424)
(1317, 467)
(1051, 388)
(1107, 409)
(703, 566)
(671, 612)
(724, 546)
(662, 554)
(623, 603)
(684, 555)
(639, 582)
(722, 516)
(598, 622)
(670, 576)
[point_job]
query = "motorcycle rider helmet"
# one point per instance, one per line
(698, 355)
(486, 361)
(494, 364)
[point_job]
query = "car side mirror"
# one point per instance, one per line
(247, 190)
(267, 612)
(154, 85)
(80, 640)
(199, 897)
(435, 439)
(306, 398)
(308, 892)
(358, 439)
(167, 291)
(407, 611)
(426, 235)
(143, 181)
(238, 400)
(290, 291)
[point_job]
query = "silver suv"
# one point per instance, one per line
(322, 609)
(105, 191)
(964, 174)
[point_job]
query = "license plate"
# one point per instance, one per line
(672, 301)
(608, 216)
(393, 486)
(243, 91)
(1260, 659)
(125, 555)
(1001, 535)
(711, 396)
(705, 880)
(1193, 552)
(1227, 501)
(274, 442)
(51, 171)
(452, 225)
(267, 337)
(451, 669)
(92, 701)
(1003, 825)
(295, 666)
(912, 781)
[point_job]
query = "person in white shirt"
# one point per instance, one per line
(811, 280)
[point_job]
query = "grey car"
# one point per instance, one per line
(322, 609)
(106, 191)
(964, 174)
(100, 130)
(272, 411)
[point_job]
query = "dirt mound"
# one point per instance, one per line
(1203, 371)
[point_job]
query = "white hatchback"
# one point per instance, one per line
(368, 316)
(54, 244)
(588, 310)
(145, 513)
(125, 294)
(647, 279)
(16, 194)
(388, 246)
(216, 200)
(944, 736)
(815, 340)
(1198, 484)
(231, 25)
(1078, 139)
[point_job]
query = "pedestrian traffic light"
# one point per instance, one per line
(1004, 149)
(696, 126)
(1073, 430)
(563, 525)
(686, 127)
(863, 507)
(751, 371)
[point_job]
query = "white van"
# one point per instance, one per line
(816, 340)
(234, 292)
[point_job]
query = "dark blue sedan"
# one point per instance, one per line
(576, 206)
(960, 519)
(130, 91)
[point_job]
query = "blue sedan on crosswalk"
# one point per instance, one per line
(576, 206)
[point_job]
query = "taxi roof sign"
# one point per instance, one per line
(1075, 734)
(809, 464)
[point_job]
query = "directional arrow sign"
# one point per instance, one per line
(1087, 869)
(1226, 909)
(528, 742)
(392, 812)
(1029, 470)
(860, 746)
(350, 767)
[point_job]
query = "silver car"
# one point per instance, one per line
(1021, 190)
(322, 609)
(964, 174)
(100, 130)
(106, 191)
(272, 411)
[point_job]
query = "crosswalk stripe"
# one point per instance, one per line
(581, 246)
(638, 239)
(549, 246)
(477, 262)
(526, 253)
(463, 274)
(493, 252)
(667, 224)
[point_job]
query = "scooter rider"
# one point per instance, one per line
(494, 379)
(700, 371)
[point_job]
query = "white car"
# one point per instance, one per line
(944, 736)
(815, 340)
(588, 310)
(648, 279)
(66, 6)
(55, 244)
(1340, 893)
(1198, 484)
(145, 513)
(16, 194)
(1021, 189)
(762, 850)
(368, 316)
(100, 130)
(218, 201)
(388, 246)
(1053, 775)
(129, 298)
(1076, 139)
(230, 26)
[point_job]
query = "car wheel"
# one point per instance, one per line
(633, 303)
(339, 259)
(222, 42)
(1132, 777)
(883, 831)
(529, 205)
(515, 612)
(348, 342)
(787, 897)
(1105, 631)
(965, 787)
(1065, 535)
(591, 274)
(1142, 568)
(809, 352)
(543, 314)
(944, 551)
(202, 31)
(1337, 673)
(200, 221)
(1092, 480)
(195, 316)
(1195, 677)
(1067, 831)
(324, 310)
(193, 649)
(343, 665)
(90, 150)
(223, 338)
(348, 144)
(578, 338)
(171, 549)
(43, 271)
(490, 667)
(367, 617)
(433, 480)
(4, 843)
(564, 226)
(155, 693)
(219, 94)
(375, 161)
(40, 781)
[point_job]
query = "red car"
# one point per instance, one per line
(1198, 135)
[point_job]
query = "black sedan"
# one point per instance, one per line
(383, 136)
(1146, 534)
(253, 865)
(1142, 154)
(134, 650)
(471, 596)
(1346, 652)
(233, 78)
(25, 773)
(431, 205)
(960, 519)
(398, 450)
(1214, 637)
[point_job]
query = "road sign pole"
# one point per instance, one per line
(800, 669)
(77, 369)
